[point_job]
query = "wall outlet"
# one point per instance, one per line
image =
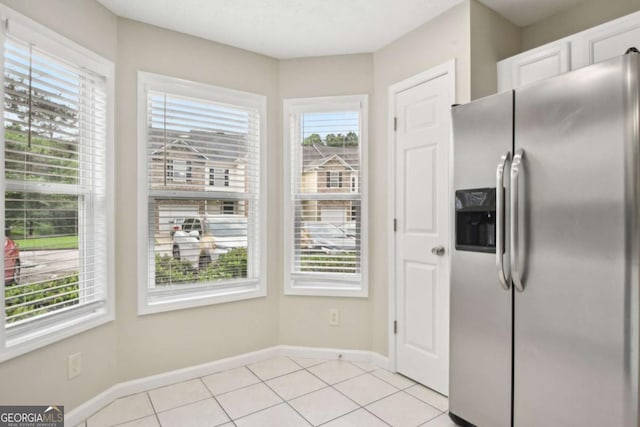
(74, 365)
(334, 317)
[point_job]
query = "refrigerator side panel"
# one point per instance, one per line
(480, 352)
(632, 226)
(571, 325)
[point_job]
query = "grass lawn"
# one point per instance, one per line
(344, 262)
(48, 243)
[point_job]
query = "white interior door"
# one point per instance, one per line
(422, 146)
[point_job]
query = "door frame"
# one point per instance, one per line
(449, 69)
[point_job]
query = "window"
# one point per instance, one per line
(334, 179)
(228, 208)
(325, 212)
(202, 238)
(57, 190)
(226, 177)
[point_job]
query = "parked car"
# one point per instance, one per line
(349, 228)
(202, 239)
(175, 224)
(11, 261)
(326, 237)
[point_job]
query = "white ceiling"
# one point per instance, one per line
(301, 28)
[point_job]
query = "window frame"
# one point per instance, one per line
(59, 326)
(201, 295)
(312, 287)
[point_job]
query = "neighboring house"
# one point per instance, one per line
(197, 161)
(328, 169)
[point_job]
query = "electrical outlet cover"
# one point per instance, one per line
(334, 317)
(74, 365)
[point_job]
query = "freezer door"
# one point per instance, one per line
(573, 322)
(480, 352)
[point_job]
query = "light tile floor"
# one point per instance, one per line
(282, 392)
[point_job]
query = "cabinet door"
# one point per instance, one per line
(606, 41)
(537, 64)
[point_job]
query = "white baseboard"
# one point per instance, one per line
(93, 405)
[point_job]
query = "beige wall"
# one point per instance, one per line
(305, 320)
(493, 38)
(40, 377)
(165, 341)
(580, 17)
(86, 22)
(444, 38)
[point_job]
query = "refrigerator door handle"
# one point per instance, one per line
(516, 170)
(505, 280)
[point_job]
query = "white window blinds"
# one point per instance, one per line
(55, 133)
(326, 233)
(203, 180)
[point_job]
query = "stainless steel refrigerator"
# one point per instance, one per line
(545, 288)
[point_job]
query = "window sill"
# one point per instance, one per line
(326, 288)
(158, 302)
(41, 337)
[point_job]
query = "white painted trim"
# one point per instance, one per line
(449, 68)
(317, 286)
(62, 327)
(246, 289)
(93, 405)
(334, 353)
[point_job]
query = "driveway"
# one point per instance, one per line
(37, 266)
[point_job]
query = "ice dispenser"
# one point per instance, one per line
(476, 220)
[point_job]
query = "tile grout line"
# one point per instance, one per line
(430, 404)
(155, 413)
(411, 386)
(86, 422)
(217, 402)
(261, 381)
(398, 390)
(434, 418)
(365, 408)
(286, 401)
(358, 405)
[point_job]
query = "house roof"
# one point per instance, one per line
(316, 156)
(219, 146)
(180, 143)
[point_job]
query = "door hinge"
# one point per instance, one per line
(395, 326)
(395, 224)
(395, 124)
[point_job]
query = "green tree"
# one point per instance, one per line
(331, 139)
(314, 138)
(351, 138)
(44, 114)
(40, 145)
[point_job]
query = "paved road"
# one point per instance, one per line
(47, 265)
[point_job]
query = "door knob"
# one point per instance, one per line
(438, 250)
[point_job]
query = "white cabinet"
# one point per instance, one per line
(537, 64)
(587, 47)
(606, 41)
